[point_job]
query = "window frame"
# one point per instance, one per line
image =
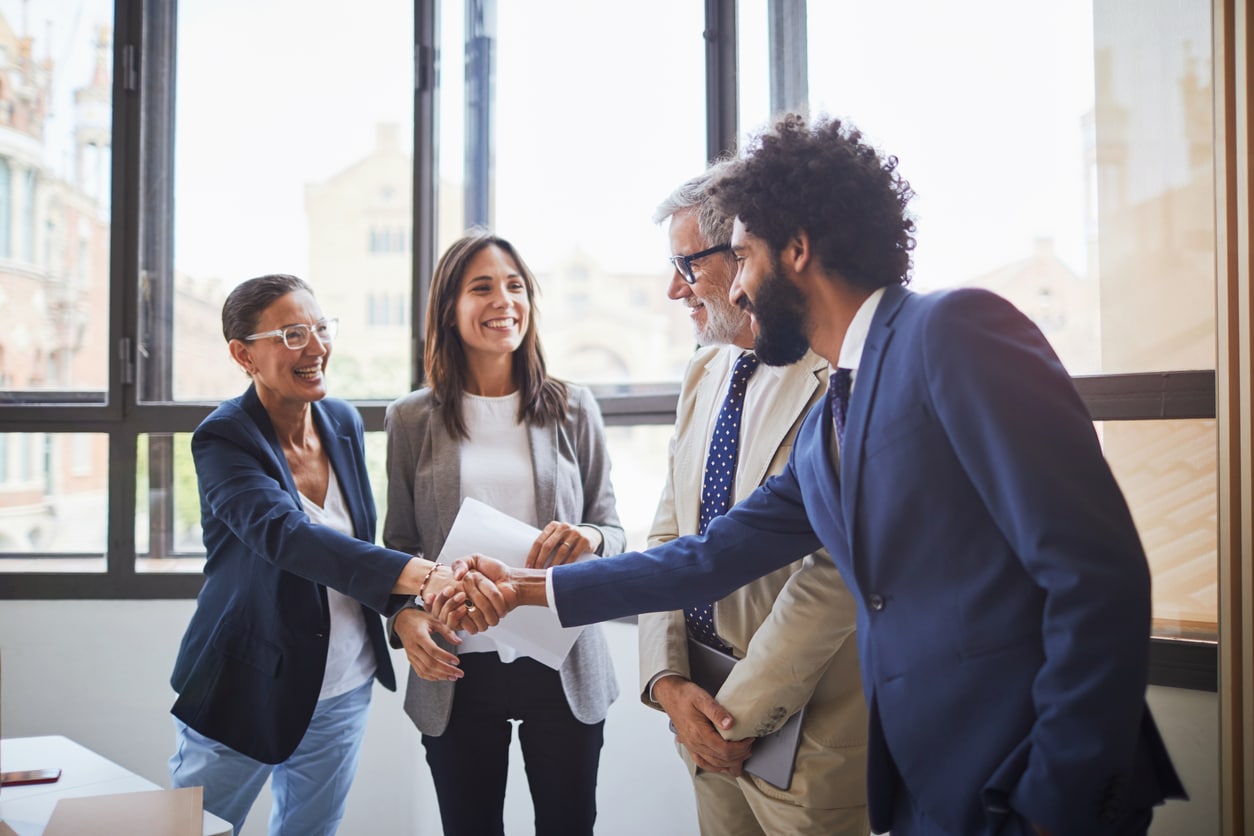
(141, 192)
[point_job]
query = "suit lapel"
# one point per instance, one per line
(689, 468)
(865, 385)
(544, 460)
(252, 405)
(338, 445)
(797, 385)
(445, 473)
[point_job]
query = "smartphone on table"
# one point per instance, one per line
(30, 776)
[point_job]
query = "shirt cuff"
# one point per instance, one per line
(654, 681)
(548, 590)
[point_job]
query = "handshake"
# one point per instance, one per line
(477, 593)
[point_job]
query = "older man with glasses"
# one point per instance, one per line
(734, 427)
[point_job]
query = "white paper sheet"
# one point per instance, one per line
(532, 631)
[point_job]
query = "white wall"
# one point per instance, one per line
(97, 672)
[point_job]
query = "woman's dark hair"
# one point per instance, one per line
(824, 179)
(246, 303)
(542, 398)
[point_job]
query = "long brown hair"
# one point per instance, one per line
(542, 398)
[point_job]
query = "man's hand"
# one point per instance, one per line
(417, 630)
(487, 587)
(494, 590)
(697, 717)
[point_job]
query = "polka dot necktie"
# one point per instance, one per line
(720, 475)
(839, 386)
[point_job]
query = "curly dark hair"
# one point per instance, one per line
(826, 180)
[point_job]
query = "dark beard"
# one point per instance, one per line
(780, 310)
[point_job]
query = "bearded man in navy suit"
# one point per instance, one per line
(958, 484)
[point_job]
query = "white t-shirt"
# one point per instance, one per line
(350, 660)
(496, 469)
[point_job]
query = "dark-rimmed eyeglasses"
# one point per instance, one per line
(296, 336)
(683, 263)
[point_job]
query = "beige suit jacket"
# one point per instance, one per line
(793, 629)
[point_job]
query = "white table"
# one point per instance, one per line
(27, 808)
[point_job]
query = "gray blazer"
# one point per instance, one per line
(572, 471)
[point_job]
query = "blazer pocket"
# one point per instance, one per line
(242, 645)
(897, 431)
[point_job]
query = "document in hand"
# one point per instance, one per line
(773, 755)
(532, 631)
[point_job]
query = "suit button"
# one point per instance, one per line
(876, 602)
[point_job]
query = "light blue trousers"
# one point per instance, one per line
(309, 788)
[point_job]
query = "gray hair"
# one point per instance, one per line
(714, 226)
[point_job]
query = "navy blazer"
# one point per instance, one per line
(1003, 593)
(251, 663)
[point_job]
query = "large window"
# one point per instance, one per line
(1062, 157)
(295, 156)
(55, 95)
(55, 108)
(55, 142)
(564, 145)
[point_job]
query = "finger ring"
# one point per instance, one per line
(566, 545)
(470, 606)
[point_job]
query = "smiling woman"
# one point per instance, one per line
(275, 671)
(493, 426)
(493, 314)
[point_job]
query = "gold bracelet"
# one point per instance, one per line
(423, 587)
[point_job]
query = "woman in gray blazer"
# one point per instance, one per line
(493, 426)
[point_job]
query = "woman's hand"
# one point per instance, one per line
(561, 543)
(417, 631)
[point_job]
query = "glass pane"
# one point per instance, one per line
(53, 502)
(638, 454)
(377, 469)
(55, 149)
(1061, 154)
(587, 139)
(1167, 472)
(289, 160)
(167, 500)
(167, 505)
(753, 79)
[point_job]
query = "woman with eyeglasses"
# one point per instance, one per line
(275, 670)
(492, 425)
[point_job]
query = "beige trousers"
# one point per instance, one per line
(729, 806)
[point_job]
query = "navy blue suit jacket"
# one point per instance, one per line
(1004, 596)
(251, 663)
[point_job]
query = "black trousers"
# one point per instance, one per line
(470, 761)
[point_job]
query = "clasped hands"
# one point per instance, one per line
(490, 589)
(697, 719)
(480, 592)
(484, 591)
